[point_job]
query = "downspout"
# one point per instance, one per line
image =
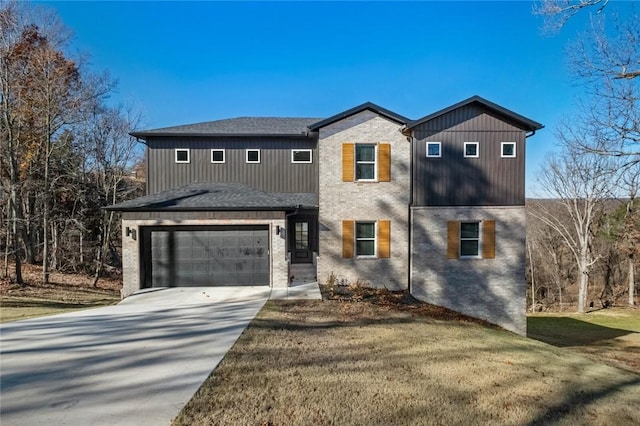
(409, 135)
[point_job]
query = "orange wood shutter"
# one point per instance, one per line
(384, 238)
(347, 238)
(348, 166)
(489, 239)
(384, 162)
(453, 239)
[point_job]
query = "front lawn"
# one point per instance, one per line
(352, 363)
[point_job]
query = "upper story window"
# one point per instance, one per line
(365, 162)
(301, 156)
(469, 239)
(434, 149)
(217, 156)
(471, 150)
(508, 150)
(182, 155)
(253, 156)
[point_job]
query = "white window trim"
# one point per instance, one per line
(374, 162)
(224, 156)
(187, 150)
(375, 240)
(477, 144)
(246, 156)
(439, 149)
(479, 255)
(502, 151)
(302, 150)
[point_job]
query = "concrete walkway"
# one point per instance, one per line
(135, 363)
(297, 291)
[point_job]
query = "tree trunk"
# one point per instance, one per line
(582, 291)
(533, 281)
(632, 281)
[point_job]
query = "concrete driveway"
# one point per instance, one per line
(135, 363)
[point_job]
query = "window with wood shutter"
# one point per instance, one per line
(366, 162)
(348, 238)
(471, 239)
(366, 239)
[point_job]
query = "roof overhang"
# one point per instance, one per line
(355, 110)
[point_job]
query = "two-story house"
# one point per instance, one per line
(434, 205)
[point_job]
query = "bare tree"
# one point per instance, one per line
(578, 183)
(558, 12)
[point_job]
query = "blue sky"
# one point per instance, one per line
(186, 62)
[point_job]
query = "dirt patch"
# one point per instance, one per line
(64, 292)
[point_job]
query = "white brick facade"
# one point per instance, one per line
(131, 248)
(490, 289)
(370, 201)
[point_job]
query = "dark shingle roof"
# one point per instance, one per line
(241, 126)
(217, 196)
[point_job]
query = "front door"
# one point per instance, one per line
(301, 248)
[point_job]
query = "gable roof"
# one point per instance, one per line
(240, 126)
(217, 196)
(365, 106)
(521, 121)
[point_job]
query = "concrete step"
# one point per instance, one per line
(302, 272)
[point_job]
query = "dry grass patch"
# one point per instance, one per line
(610, 335)
(350, 363)
(64, 293)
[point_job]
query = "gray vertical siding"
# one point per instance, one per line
(274, 173)
(451, 180)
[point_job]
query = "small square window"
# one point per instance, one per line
(301, 156)
(365, 238)
(469, 239)
(217, 156)
(433, 149)
(182, 155)
(471, 150)
(365, 162)
(508, 149)
(253, 155)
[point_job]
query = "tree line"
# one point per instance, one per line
(65, 153)
(584, 240)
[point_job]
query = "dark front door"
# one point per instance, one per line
(301, 246)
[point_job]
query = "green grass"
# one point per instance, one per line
(611, 335)
(347, 363)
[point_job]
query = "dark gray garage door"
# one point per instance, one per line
(208, 256)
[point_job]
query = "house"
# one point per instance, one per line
(434, 205)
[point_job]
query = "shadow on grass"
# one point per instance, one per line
(566, 332)
(51, 304)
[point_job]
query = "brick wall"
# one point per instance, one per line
(363, 201)
(490, 289)
(131, 248)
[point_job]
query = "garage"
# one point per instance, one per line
(196, 256)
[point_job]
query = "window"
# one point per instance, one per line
(365, 238)
(182, 155)
(471, 150)
(217, 155)
(365, 162)
(253, 155)
(469, 239)
(433, 149)
(508, 149)
(301, 156)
